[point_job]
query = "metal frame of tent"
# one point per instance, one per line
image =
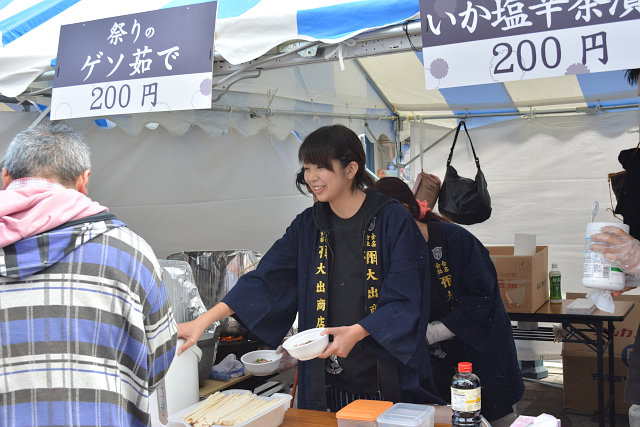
(399, 38)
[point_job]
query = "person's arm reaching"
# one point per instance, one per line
(192, 331)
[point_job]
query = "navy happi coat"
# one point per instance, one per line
(266, 300)
(478, 319)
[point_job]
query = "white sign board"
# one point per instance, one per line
(160, 60)
(486, 41)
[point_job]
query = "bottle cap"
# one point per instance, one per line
(554, 265)
(464, 367)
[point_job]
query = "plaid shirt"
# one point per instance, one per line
(86, 328)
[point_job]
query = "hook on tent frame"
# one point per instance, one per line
(531, 115)
(405, 28)
(232, 82)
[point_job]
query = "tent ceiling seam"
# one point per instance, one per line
(375, 87)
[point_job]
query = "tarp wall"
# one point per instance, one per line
(543, 176)
(199, 190)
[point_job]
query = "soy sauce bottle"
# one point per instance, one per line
(465, 397)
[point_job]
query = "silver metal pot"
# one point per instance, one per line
(215, 273)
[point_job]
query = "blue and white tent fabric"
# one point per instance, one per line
(247, 29)
(207, 167)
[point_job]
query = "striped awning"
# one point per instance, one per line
(247, 29)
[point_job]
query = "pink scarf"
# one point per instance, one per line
(25, 212)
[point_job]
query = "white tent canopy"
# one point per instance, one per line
(249, 32)
(224, 178)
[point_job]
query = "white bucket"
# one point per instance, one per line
(598, 272)
(179, 388)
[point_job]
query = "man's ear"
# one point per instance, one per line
(6, 178)
(82, 182)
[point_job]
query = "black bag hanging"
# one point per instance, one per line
(464, 200)
(629, 198)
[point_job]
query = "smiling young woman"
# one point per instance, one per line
(340, 266)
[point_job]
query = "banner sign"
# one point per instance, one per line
(160, 60)
(468, 42)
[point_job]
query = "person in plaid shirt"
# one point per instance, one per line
(86, 327)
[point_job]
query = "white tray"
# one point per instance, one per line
(270, 418)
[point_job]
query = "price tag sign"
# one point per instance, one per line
(160, 60)
(486, 41)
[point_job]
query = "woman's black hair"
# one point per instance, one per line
(301, 184)
(336, 142)
(399, 190)
(632, 76)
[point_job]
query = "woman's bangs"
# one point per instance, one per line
(317, 152)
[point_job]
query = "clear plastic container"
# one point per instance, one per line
(271, 418)
(598, 272)
(362, 413)
(407, 415)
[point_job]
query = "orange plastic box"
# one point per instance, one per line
(362, 413)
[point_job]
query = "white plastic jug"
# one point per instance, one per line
(599, 272)
(179, 388)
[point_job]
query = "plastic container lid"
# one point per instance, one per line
(464, 367)
(407, 414)
(363, 410)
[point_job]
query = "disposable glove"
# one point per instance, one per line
(286, 362)
(618, 247)
(437, 331)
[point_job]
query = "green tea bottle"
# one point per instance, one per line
(554, 284)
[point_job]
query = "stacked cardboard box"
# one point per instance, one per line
(579, 364)
(523, 280)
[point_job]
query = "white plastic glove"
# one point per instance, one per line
(286, 362)
(620, 248)
(602, 299)
(437, 331)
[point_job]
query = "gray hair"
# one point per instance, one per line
(55, 152)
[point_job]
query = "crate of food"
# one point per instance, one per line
(239, 408)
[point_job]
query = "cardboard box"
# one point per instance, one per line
(523, 280)
(579, 364)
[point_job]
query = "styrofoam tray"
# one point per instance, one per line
(271, 418)
(581, 306)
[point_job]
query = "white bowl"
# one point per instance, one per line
(261, 368)
(307, 344)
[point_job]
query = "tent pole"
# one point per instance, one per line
(375, 87)
(396, 123)
(429, 147)
(576, 110)
(375, 141)
(42, 115)
(260, 112)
